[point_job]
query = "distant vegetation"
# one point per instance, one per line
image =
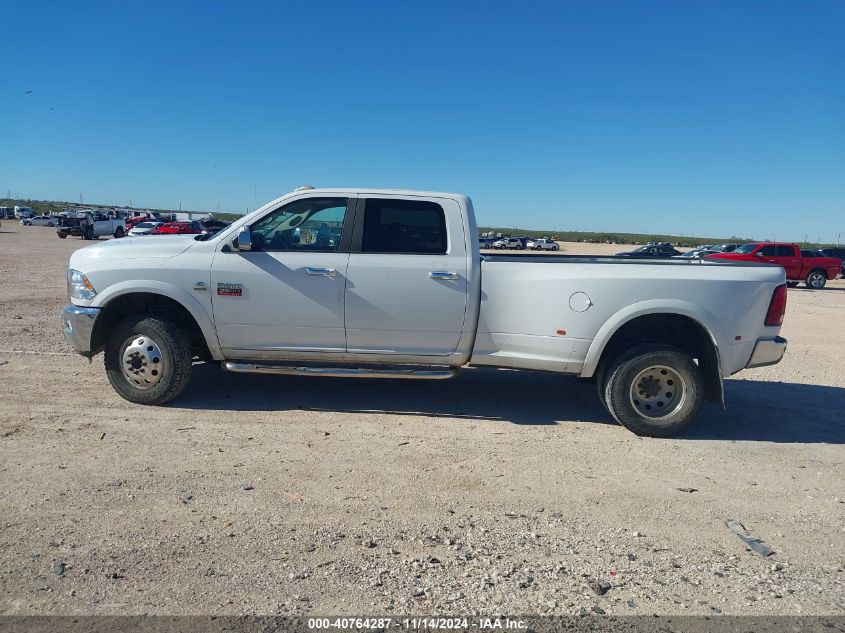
(228, 217)
(628, 238)
(47, 207)
(616, 238)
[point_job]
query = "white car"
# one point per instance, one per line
(405, 293)
(143, 228)
(509, 243)
(39, 220)
(543, 244)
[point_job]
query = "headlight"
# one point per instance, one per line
(78, 286)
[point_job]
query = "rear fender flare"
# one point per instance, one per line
(703, 317)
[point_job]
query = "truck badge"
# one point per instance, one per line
(230, 290)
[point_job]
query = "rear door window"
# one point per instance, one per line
(785, 251)
(414, 227)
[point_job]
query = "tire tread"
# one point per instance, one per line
(178, 348)
(615, 394)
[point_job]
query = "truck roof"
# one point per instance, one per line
(392, 192)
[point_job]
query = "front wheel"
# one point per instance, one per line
(815, 280)
(62, 236)
(119, 232)
(654, 389)
(148, 360)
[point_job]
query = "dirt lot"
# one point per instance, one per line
(499, 492)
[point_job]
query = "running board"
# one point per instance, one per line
(341, 372)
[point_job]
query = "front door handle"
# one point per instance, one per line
(323, 272)
(442, 274)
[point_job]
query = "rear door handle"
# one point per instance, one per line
(443, 274)
(323, 272)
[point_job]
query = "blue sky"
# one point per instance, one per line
(715, 118)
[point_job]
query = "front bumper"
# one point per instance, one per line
(767, 351)
(78, 325)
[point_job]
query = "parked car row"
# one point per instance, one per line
(813, 267)
(167, 228)
(519, 243)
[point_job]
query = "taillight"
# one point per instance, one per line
(777, 307)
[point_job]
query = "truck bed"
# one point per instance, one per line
(536, 313)
(610, 259)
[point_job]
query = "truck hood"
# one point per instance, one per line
(134, 248)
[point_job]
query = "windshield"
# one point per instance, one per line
(746, 248)
(145, 225)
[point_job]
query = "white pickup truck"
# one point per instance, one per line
(390, 284)
(90, 226)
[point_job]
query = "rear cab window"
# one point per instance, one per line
(413, 227)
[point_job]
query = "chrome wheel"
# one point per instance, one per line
(141, 361)
(657, 392)
(816, 280)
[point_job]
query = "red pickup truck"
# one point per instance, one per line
(811, 268)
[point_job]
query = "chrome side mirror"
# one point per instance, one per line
(245, 239)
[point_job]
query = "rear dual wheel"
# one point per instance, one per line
(652, 389)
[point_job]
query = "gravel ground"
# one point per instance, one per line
(499, 492)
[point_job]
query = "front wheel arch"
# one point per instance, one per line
(151, 304)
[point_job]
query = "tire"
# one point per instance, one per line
(519, 247)
(119, 232)
(62, 236)
(50, 224)
(132, 339)
(662, 371)
(791, 284)
(816, 280)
